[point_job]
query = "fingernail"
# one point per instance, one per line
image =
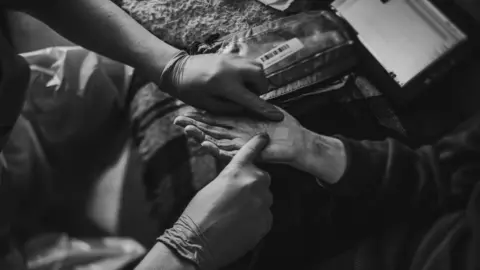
(276, 115)
(264, 136)
(178, 122)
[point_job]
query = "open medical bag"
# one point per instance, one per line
(402, 46)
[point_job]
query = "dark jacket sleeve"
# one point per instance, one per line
(12, 261)
(434, 178)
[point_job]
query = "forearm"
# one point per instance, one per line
(101, 26)
(323, 157)
(162, 258)
(381, 169)
(433, 177)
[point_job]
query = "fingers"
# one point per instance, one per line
(199, 136)
(251, 150)
(232, 47)
(216, 152)
(256, 83)
(195, 133)
(236, 46)
(256, 79)
(242, 47)
(224, 151)
(210, 119)
(211, 148)
(217, 132)
(254, 103)
(226, 155)
(224, 107)
(265, 178)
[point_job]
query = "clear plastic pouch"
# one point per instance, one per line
(73, 92)
(296, 51)
(58, 252)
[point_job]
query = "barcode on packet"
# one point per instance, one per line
(275, 52)
(280, 52)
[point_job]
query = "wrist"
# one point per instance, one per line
(162, 257)
(322, 156)
(168, 80)
(155, 62)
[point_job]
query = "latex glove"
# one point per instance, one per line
(223, 136)
(229, 216)
(219, 83)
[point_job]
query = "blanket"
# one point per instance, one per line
(182, 22)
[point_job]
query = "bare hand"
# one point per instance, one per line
(223, 136)
(229, 216)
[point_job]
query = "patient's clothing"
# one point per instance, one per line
(13, 84)
(432, 195)
(14, 78)
(167, 19)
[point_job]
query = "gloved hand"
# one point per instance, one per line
(229, 216)
(219, 83)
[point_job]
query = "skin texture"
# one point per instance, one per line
(290, 143)
(223, 136)
(324, 157)
(233, 208)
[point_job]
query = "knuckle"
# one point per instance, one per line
(249, 181)
(236, 174)
(262, 177)
(223, 62)
(256, 177)
(231, 172)
(216, 71)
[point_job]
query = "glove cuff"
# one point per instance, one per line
(172, 71)
(186, 240)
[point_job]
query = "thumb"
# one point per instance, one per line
(251, 150)
(254, 103)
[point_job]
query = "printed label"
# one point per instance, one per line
(280, 52)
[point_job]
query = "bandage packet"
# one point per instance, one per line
(297, 52)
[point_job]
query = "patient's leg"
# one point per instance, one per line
(172, 170)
